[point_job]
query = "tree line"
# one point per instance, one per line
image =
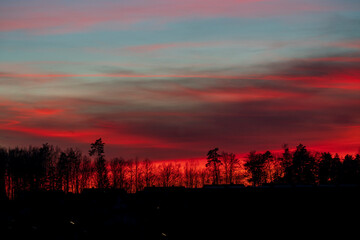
(50, 168)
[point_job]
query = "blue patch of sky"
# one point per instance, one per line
(99, 45)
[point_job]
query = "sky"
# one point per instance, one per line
(171, 79)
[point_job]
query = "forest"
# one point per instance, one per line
(50, 168)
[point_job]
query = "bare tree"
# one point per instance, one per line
(205, 176)
(138, 181)
(278, 170)
(178, 177)
(231, 163)
(3, 167)
(191, 175)
(169, 174)
(149, 172)
(86, 172)
(118, 170)
(63, 173)
(269, 166)
(130, 176)
(74, 158)
(49, 156)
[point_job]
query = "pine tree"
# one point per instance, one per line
(97, 149)
(214, 164)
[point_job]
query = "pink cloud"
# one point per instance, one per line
(218, 95)
(45, 77)
(57, 121)
(51, 17)
(345, 140)
(337, 72)
(47, 111)
(239, 109)
(355, 44)
(336, 59)
(86, 135)
(156, 47)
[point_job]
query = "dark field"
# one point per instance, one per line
(215, 212)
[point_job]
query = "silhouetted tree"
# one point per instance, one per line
(68, 171)
(118, 170)
(16, 170)
(205, 176)
(27, 168)
(3, 167)
(230, 163)
(49, 158)
(63, 173)
(97, 148)
(213, 163)
(149, 174)
(287, 156)
(169, 174)
(74, 157)
(324, 168)
(278, 170)
(351, 170)
(255, 166)
(191, 175)
(303, 168)
(284, 163)
(86, 171)
(357, 178)
(329, 169)
(138, 180)
(130, 176)
(268, 159)
(36, 163)
(47, 167)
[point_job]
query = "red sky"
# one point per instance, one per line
(171, 79)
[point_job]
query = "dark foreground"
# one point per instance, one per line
(179, 213)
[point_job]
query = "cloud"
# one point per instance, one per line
(156, 47)
(294, 101)
(52, 17)
(320, 72)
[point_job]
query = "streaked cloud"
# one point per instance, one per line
(52, 17)
(171, 79)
